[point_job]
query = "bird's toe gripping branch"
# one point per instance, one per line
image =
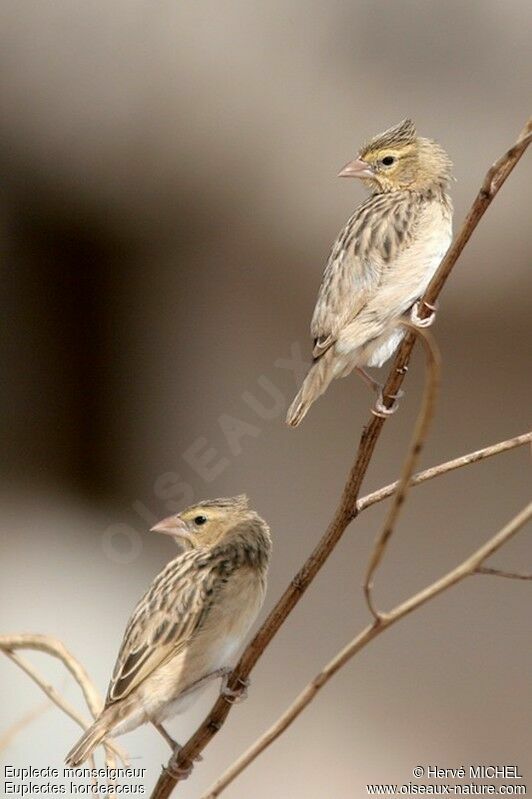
(417, 320)
(179, 772)
(380, 408)
(235, 695)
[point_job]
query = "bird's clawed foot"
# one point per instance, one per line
(235, 695)
(179, 772)
(415, 317)
(174, 745)
(380, 408)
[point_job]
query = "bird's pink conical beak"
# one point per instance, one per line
(173, 526)
(356, 169)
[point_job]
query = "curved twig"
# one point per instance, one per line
(426, 412)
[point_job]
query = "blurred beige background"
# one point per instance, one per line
(168, 200)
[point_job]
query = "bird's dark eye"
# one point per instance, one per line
(199, 520)
(388, 160)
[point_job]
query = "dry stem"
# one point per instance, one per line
(502, 573)
(443, 468)
(419, 435)
(347, 508)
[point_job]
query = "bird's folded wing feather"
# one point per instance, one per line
(165, 619)
(364, 249)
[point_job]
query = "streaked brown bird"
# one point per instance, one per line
(188, 627)
(382, 260)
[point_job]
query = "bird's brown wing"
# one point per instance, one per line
(368, 243)
(164, 620)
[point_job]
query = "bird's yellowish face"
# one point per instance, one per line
(399, 159)
(204, 524)
(387, 168)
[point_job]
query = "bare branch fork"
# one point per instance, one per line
(348, 507)
(443, 468)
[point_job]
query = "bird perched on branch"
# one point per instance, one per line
(382, 260)
(189, 625)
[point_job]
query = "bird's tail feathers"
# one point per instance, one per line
(88, 741)
(315, 383)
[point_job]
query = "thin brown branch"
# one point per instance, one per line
(347, 509)
(465, 569)
(501, 573)
(443, 468)
(426, 412)
(52, 646)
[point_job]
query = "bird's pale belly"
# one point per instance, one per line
(374, 334)
(221, 656)
(166, 693)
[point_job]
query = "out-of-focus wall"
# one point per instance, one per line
(168, 199)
